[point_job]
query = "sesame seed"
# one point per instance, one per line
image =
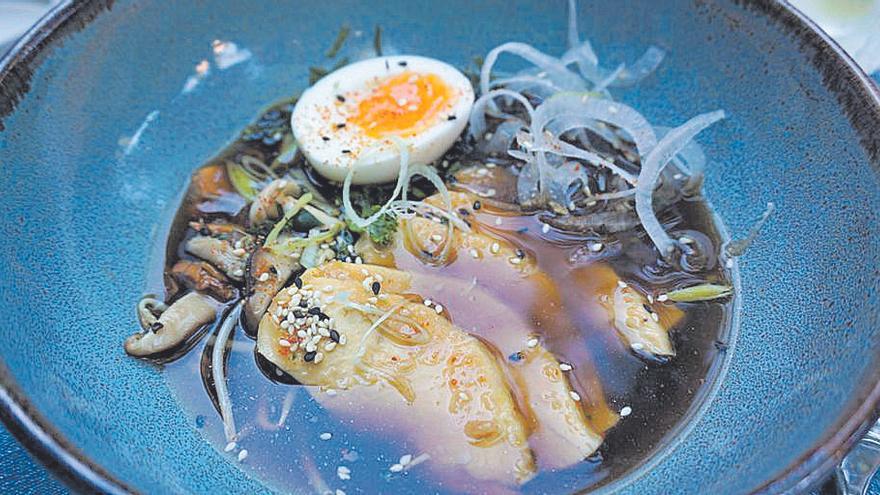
(655, 317)
(637, 346)
(650, 299)
(477, 205)
(438, 308)
(340, 98)
(340, 126)
(625, 411)
(428, 302)
(263, 277)
(436, 237)
(662, 298)
(565, 367)
(621, 284)
(358, 260)
(376, 287)
(596, 247)
(545, 228)
(309, 356)
(230, 447)
(515, 261)
(678, 176)
(326, 436)
(533, 342)
(343, 472)
(451, 117)
(574, 395)
(242, 455)
(495, 248)
(475, 253)
(238, 273)
(396, 468)
(284, 343)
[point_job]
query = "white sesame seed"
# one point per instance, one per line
(533, 342)
(285, 324)
(238, 273)
(596, 247)
(343, 472)
(515, 261)
(438, 308)
(343, 339)
(326, 436)
(545, 228)
(310, 347)
(263, 277)
(650, 299)
(284, 343)
(230, 447)
(662, 298)
(396, 468)
(319, 357)
(405, 459)
(436, 237)
(428, 302)
(621, 284)
(242, 455)
(358, 260)
(329, 346)
(574, 395)
(637, 346)
(487, 136)
(677, 176)
(565, 367)
(495, 248)
(625, 411)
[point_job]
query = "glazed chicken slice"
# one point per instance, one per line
(398, 365)
(640, 324)
(562, 434)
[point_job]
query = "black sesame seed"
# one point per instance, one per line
(522, 230)
(516, 357)
(463, 212)
(451, 117)
(304, 304)
(376, 288)
(340, 126)
(156, 326)
(386, 65)
(477, 205)
(346, 151)
(520, 253)
(298, 282)
(298, 314)
(273, 270)
(314, 310)
(334, 336)
(340, 98)
(323, 316)
(310, 356)
(647, 308)
(325, 138)
(402, 63)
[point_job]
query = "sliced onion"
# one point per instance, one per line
(401, 183)
(610, 78)
(431, 175)
(555, 69)
(641, 68)
(559, 147)
(573, 38)
(653, 164)
(218, 374)
(477, 123)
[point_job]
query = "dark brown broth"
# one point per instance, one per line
(292, 456)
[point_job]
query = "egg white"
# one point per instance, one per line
(333, 149)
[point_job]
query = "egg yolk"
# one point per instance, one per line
(403, 105)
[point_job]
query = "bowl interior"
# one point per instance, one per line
(84, 211)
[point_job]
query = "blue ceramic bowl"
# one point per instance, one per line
(82, 219)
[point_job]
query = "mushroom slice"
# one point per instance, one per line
(203, 277)
(269, 203)
(269, 272)
(220, 253)
(174, 326)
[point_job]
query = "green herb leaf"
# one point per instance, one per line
(340, 40)
(703, 292)
(244, 184)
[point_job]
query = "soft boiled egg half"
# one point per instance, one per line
(358, 115)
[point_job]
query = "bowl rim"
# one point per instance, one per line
(857, 94)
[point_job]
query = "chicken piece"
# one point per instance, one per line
(562, 434)
(642, 326)
(269, 272)
(400, 365)
(220, 253)
(175, 325)
(203, 277)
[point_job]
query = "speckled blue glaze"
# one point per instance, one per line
(81, 219)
